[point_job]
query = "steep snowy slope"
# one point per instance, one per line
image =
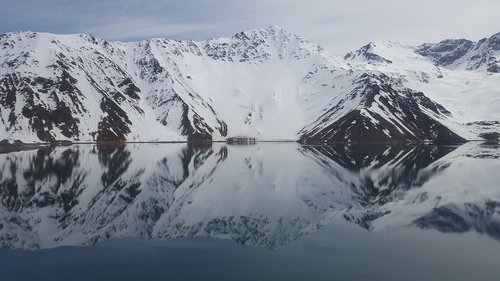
(266, 83)
(80, 88)
(381, 109)
(448, 74)
(465, 54)
(67, 88)
(252, 81)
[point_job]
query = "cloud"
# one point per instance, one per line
(139, 29)
(338, 25)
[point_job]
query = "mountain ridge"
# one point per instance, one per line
(265, 83)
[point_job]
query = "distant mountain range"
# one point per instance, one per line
(266, 84)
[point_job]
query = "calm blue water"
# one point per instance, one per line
(259, 212)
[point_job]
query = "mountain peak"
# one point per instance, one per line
(464, 53)
(265, 83)
(273, 28)
(496, 35)
(266, 32)
(494, 42)
(368, 53)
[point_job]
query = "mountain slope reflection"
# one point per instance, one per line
(378, 173)
(264, 195)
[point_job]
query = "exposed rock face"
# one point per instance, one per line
(484, 54)
(366, 52)
(387, 112)
(446, 52)
(267, 84)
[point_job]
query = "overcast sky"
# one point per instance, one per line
(337, 25)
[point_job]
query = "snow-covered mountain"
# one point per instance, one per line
(449, 74)
(265, 195)
(465, 54)
(266, 83)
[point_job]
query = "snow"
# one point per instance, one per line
(470, 95)
(265, 83)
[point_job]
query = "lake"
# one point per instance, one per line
(269, 211)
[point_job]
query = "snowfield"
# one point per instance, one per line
(266, 83)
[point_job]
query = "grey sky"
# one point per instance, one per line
(337, 25)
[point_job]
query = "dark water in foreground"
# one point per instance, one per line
(260, 212)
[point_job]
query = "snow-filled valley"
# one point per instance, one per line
(266, 84)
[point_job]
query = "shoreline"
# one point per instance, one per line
(69, 143)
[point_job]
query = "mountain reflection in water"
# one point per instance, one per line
(265, 195)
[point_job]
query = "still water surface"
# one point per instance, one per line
(260, 212)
